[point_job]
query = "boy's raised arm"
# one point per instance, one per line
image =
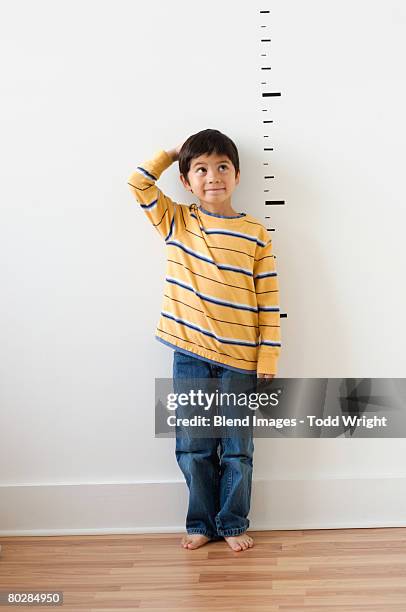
(158, 207)
(267, 290)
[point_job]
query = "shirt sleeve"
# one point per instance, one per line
(158, 207)
(267, 291)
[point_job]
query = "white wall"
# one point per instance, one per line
(91, 89)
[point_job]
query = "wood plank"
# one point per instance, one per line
(331, 570)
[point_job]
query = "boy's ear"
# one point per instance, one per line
(237, 178)
(185, 183)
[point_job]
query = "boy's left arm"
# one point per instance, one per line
(267, 291)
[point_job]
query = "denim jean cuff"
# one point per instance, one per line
(231, 532)
(200, 532)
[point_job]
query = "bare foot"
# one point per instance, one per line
(240, 542)
(194, 540)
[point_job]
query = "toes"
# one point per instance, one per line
(194, 541)
(246, 542)
(233, 543)
(238, 543)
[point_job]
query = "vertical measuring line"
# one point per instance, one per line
(265, 43)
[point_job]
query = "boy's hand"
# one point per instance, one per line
(265, 375)
(174, 153)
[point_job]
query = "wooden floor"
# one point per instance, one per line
(340, 570)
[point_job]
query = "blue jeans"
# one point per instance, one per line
(218, 471)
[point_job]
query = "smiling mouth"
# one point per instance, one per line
(221, 189)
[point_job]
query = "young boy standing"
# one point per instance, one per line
(220, 314)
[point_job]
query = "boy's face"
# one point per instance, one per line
(212, 179)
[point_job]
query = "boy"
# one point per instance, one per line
(220, 314)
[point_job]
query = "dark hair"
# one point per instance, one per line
(207, 142)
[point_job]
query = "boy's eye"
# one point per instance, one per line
(220, 166)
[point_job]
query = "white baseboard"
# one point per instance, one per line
(160, 507)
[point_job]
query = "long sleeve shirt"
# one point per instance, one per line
(221, 295)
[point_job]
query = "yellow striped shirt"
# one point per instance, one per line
(221, 294)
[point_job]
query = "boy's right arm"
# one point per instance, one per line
(158, 207)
